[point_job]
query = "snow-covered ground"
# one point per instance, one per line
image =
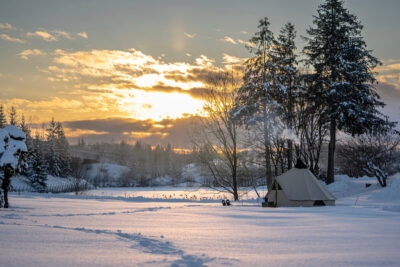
(174, 193)
(94, 230)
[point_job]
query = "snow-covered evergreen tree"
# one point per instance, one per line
(52, 153)
(344, 74)
(12, 148)
(287, 75)
(254, 102)
(36, 171)
(62, 147)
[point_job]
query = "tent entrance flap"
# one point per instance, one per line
(319, 203)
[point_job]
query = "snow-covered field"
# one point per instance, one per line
(174, 193)
(113, 230)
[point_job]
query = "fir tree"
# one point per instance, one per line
(13, 116)
(52, 152)
(254, 97)
(36, 172)
(62, 147)
(286, 93)
(3, 119)
(344, 74)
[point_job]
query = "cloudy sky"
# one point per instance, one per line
(128, 70)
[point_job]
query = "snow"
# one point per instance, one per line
(11, 147)
(16, 146)
(69, 230)
(14, 132)
(3, 139)
(171, 193)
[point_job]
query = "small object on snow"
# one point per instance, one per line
(228, 203)
(367, 185)
(223, 203)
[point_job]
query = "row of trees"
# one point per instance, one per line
(287, 108)
(146, 162)
(48, 149)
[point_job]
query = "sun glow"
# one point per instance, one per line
(158, 106)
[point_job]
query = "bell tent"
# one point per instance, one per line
(298, 187)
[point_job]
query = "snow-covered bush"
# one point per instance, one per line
(12, 148)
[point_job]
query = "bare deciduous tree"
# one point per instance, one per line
(371, 155)
(217, 133)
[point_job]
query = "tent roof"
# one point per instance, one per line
(301, 184)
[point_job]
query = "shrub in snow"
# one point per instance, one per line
(374, 155)
(12, 147)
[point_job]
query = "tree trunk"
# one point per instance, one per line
(331, 153)
(8, 172)
(289, 153)
(268, 171)
(234, 174)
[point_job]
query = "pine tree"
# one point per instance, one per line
(344, 74)
(284, 57)
(62, 147)
(254, 101)
(13, 116)
(3, 119)
(52, 152)
(23, 126)
(36, 172)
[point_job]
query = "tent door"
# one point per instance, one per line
(319, 203)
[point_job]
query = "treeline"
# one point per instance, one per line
(146, 162)
(48, 149)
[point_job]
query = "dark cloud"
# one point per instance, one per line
(172, 131)
(193, 75)
(111, 125)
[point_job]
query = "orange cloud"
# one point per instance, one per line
(228, 39)
(124, 83)
(42, 34)
(30, 52)
(11, 39)
(389, 73)
(64, 34)
(190, 35)
(5, 26)
(249, 44)
(82, 34)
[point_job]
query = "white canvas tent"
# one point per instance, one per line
(298, 187)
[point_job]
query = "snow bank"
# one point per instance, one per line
(344, 186)
(353, 192)
(391, 193)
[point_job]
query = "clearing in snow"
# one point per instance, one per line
(94, 230)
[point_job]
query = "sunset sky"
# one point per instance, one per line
(128, 70)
